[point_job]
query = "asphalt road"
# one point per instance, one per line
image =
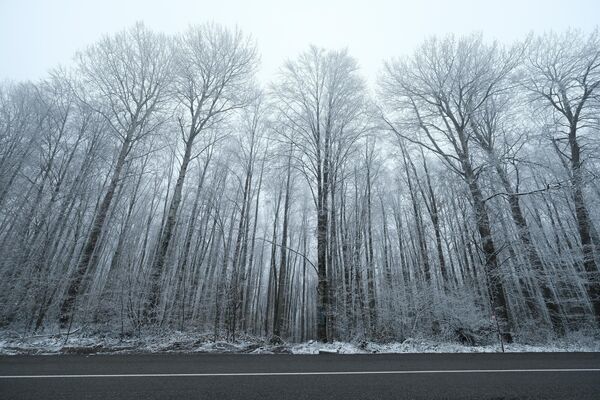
(282, 377)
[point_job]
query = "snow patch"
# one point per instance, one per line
(12, 344)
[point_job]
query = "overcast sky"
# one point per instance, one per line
(36, 35)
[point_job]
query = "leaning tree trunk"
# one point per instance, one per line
(165, 239)
(592, 284)
(88, 255)
(533, 257)
(435, 220)
(495, 286)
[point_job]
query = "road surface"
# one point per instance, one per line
(282, 377)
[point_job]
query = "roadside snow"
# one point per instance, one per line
(12, 344)
(172, 342)
(425, 346)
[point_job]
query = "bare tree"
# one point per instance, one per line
(124, 79)
(493, 129)
(155, 186)
(564, 75)
(213, 72)
(436, 92)
(321, 101)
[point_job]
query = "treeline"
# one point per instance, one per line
(155, 186)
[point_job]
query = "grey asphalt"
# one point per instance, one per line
(332, 376)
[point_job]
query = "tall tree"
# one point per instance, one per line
(213, 69)
(436, 92)
(564, 75)
(124, 79)
(321, 101)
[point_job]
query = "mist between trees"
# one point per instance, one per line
(155, 186)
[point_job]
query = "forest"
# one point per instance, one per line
(157, 185)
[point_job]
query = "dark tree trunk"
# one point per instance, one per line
(494, 277)
(592, 284)
(88, 255)
(165, 239)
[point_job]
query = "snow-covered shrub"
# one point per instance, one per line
(461, 319)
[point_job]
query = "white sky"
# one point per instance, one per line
(36, 35)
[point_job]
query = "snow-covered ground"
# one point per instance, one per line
(11, 344)
(428, 346)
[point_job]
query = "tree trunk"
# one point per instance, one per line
(165, 239)
(88, 255)
(495, 285)
(281, 285)
(592, 284)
